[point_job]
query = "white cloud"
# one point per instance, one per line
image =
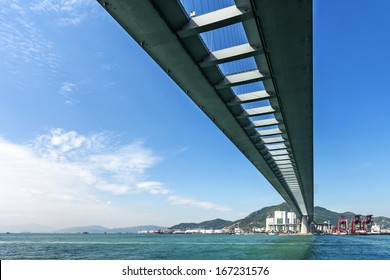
(66, 168)
(71, 176)
(61, 145)
(179, 200)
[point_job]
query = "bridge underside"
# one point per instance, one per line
(272, 124)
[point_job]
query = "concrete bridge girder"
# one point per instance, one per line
(162, 29)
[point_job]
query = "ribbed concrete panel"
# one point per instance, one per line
(267, 132)
(241, 78)
(257, 111)
(214, 20)
(230, 54)
(248, 97)
(266, 122)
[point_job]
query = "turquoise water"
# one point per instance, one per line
(192, 247)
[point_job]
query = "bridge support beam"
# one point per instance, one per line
(304, 225)
(307, 225)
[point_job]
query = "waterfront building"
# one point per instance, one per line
(281, 221)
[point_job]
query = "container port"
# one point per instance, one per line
(358, 226)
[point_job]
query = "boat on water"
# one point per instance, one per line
(375, 229)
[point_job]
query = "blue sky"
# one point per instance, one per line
(93, 132)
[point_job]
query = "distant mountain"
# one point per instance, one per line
(135, 229)
(100, 229)
(322, 214)
(33, 228)
(213, 224)
(382, 221)
(90, 229)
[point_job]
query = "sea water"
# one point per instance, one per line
(192, 247)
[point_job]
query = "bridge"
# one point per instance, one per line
(247, 64)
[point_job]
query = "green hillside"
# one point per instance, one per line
(257, 219)
(322, 214)
(213, 224)
(382, 221)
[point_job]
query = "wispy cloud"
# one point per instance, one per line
(179, 200)
(67, 90)
(106, 67)
(22, 41)
(74, 20)
(67, 87)
(181, 150)
(58, 5)
(361, 167)
(153, 188)
(70, 12)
